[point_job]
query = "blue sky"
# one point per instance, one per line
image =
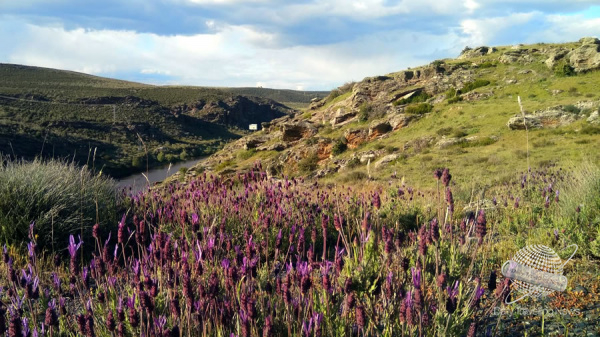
(307, 44)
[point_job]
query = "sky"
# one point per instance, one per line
(303, 45)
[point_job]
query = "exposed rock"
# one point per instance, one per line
(386, 160)
(475, 96)
(378, 128)
(516, 123)
(518, 55)
(355, 137)
(446, 142)
(326, 171)
(556, 92)
(585, 58)
(547, 118)
(273, 147)
(252, 143)
(479, 51)
(594, 118)
(291, 132)
(589, 40)
(341, 117)
(555, 56)
(324, 149)
(400, 120)
(367, 156)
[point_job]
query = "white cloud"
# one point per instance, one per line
(233, 56)
(483, 31)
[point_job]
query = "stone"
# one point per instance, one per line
(594, 118)
(324, 149)
(400, 120)
(378, 128)
(355, 137)
(554, 57)
(479, 51)
(446, 142)
(252, 143)
(367, 156)
(291, 132)
(386, 160)
(585, 58)
(476, 96)
(341, 117)
(273, 147)
(516, 123)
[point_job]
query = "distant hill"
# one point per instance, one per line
(65, 114)
(460, 113)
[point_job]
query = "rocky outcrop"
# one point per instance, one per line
(341, 117)
(586, 57)
(547, 118)
(252, 143)
(273, 147)
(324, 149)
(355, 137)
(477, 52)
(378, 128)
(555, 56)
(400, 120)
(238, 111)
(291, 132)
(386, 160)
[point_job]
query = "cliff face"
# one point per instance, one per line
(358, 120)
(237, 111)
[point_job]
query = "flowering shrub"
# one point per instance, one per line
(251, 256)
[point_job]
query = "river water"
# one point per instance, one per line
(138, 182)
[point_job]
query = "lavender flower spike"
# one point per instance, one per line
(74, 247)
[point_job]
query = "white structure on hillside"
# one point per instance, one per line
(253, 127)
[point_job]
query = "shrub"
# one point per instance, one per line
(61, 199)
(459, 133)
(487, 64)
(354, 176)
(339, 147)
(137, 161)
(563, 69)
(473, 85)
(364, 111)
(572, 109)
(418, 109)
(354, 162)
(308, 164)
(418, 98)
(161, 156)
(184, 155)
(590, 130)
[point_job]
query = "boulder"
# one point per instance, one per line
(252, 143)
(378, 128)
(340, 117)
(399, 121)
(446, 142)
(585, 58)
(475, 96)
(355, 137)
(516, 123)
(547, 118)
(555, 56)
(367, 156)
(386, 160)
(291, 132)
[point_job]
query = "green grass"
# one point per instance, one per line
(59, 197)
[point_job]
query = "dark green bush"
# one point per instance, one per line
(487, 64)
(572, 109)
(450, 93)
(339, 147)
(563, 69)
(61, 199)
(590, 130)
(418, 109)
(418, 98)
(473, 85)
(445, 131)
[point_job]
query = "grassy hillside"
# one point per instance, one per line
(127, 125)
(465, 131)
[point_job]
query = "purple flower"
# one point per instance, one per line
(74, 247)
(452, 291)
(416, 277)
